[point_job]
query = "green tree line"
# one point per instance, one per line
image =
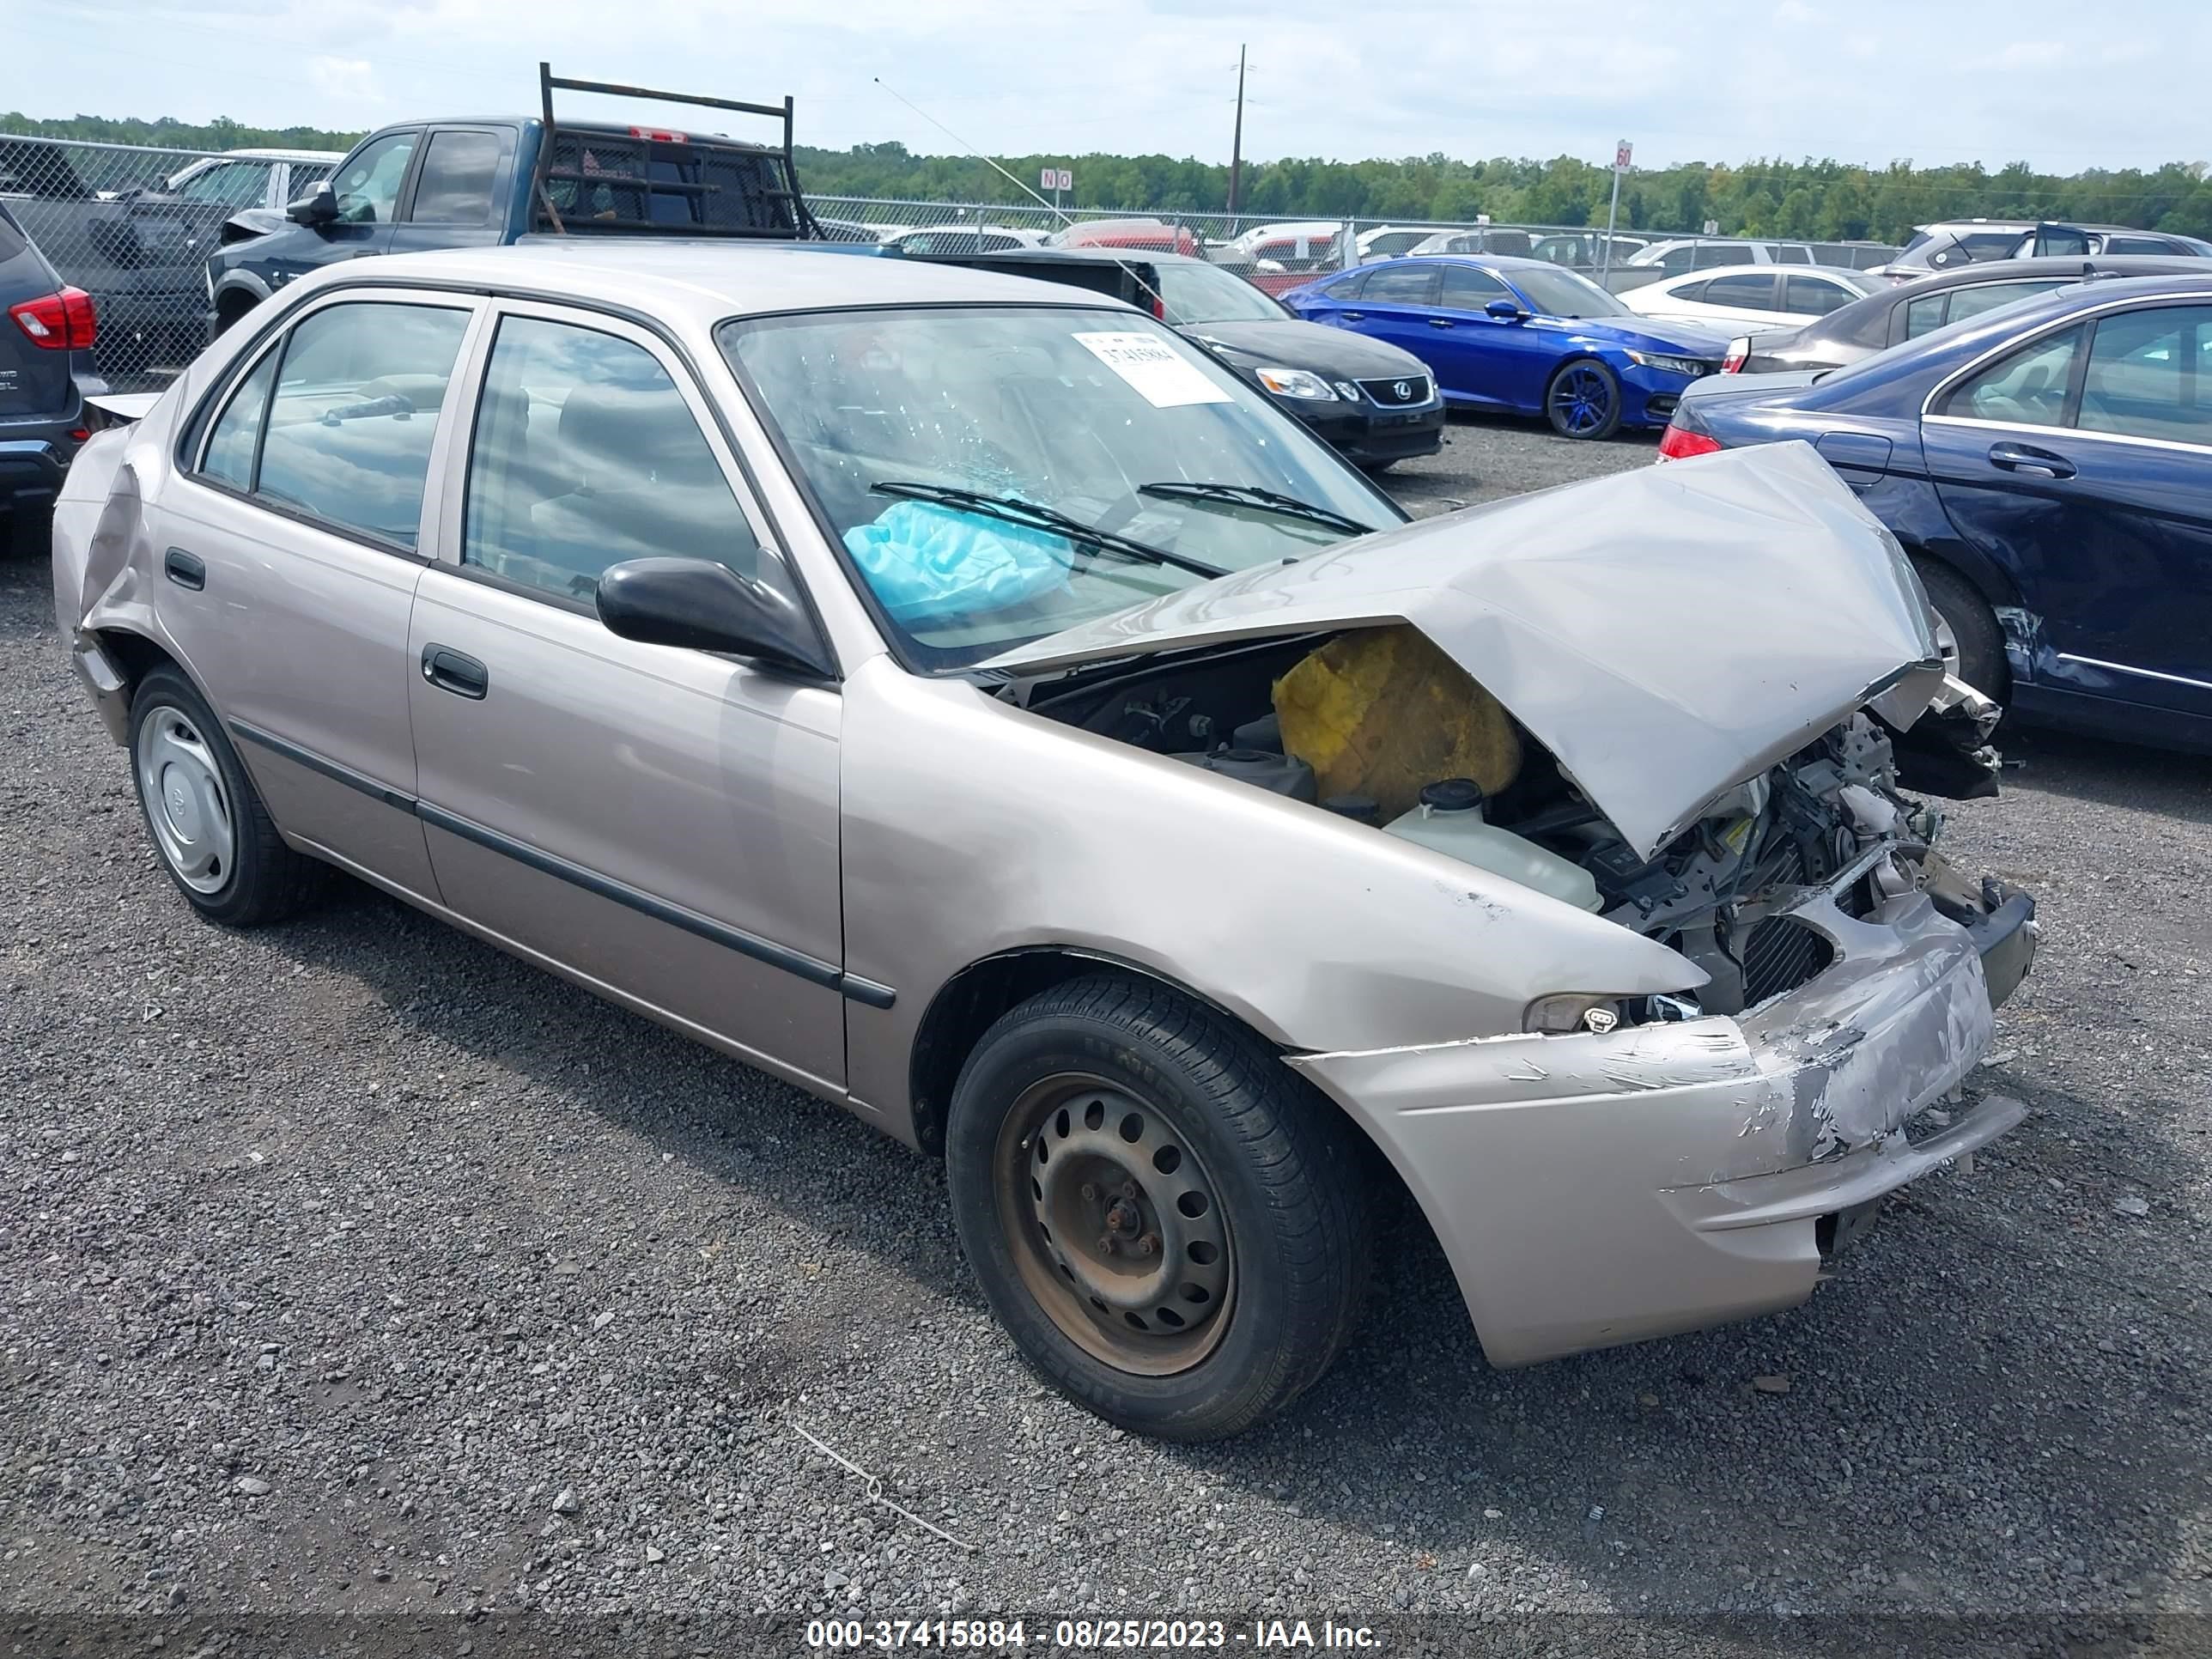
(1824, 200)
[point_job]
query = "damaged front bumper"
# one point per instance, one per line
(1596, 1189)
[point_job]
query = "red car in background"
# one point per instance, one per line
(1152, 235)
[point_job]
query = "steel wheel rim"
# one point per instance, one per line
(1115, 1226)
(186, 805)
(1582, 399)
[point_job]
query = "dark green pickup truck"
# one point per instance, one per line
(423, 184)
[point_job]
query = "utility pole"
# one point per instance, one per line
(1236, 144)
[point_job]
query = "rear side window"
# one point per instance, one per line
(2027, 386)
(355, 412)
(1405, 285)
(1694, 291)
(2150, 375)
(12, 240)
(1711, 254)
(1925, 315)
(1974, 302)
(1752, 292)
(586, 454)
(454, 187)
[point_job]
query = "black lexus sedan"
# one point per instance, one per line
(1905, 312)
(1373, 403)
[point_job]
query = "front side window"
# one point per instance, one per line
(586, 454)
(2150, 375)
(455, 187)
(355, 414)
(1468, 289)
(367, 186)
(961, 456)
(2028, 387)
(1345, 288)
(1813, 296)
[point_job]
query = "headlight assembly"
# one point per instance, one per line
(1692, 366)
(1296, 383)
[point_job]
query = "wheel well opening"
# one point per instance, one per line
(134, 655)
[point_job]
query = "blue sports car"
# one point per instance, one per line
(1522, 336)
(2048, 466)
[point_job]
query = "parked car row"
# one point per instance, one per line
(971, 700)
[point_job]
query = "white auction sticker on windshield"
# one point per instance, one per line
(1160, 375)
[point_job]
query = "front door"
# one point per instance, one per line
(2077, 464)
(1507, 360)
(660, 822)
(289, 566)
(367, 189)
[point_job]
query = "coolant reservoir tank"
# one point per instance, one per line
(1449, 820)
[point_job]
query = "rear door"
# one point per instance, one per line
(459, 194)
(2077, 462)
(291, 543)
(1397, 304)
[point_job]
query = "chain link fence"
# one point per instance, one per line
(134, 228)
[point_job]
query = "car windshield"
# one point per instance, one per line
(1564, 293)
(920, 434)
(1206, 294)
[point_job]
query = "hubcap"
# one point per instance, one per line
(1946, 641)
(186, 803)
(1582, 399)
(1115, 1224)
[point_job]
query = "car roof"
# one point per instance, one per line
(1862, 278)
(2024, 316)
(1122, 256)
(2075, 265)
(709, 282)
(278, 156)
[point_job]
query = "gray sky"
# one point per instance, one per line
(2049, 81)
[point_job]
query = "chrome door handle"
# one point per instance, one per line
(1353, 316)
(186, 569)
(2033, 462)
(1440, 322)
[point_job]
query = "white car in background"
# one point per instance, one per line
(252, 178)
(960, 239)
(1752, 298)
(1389, 242)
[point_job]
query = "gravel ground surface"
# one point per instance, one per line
(351, 1265)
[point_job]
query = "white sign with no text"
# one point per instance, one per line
(1152, 367)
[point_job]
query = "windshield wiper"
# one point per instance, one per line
(1012, 509)
(1253, 495)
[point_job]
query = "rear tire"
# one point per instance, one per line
(1966, 618)
(208, 824)
(1173, 1227)
(1583, 400)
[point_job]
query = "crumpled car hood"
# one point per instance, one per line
(1665, 633)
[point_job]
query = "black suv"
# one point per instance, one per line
(46, 333)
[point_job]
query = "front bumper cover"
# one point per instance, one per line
(1591, 1190)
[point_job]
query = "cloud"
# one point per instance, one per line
(351, 79)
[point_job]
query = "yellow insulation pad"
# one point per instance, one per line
(1382, 711)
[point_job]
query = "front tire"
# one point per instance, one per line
(1583, 400)
(214, 835)
(1967, 630)
(1171, 1226)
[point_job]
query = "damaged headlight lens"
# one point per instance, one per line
(1666, 365)
(1565, 1012)
(1296, 383)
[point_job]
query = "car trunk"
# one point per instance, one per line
(34, 381)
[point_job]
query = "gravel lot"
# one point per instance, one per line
(353, 1265)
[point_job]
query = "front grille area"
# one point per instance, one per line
(1396, 394)
(1780, 954)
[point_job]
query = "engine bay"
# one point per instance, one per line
(1363, 726)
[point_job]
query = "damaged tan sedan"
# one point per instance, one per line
(965, 699)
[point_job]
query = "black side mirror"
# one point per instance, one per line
(704, 607)
(320, 206)
(1506, 311)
